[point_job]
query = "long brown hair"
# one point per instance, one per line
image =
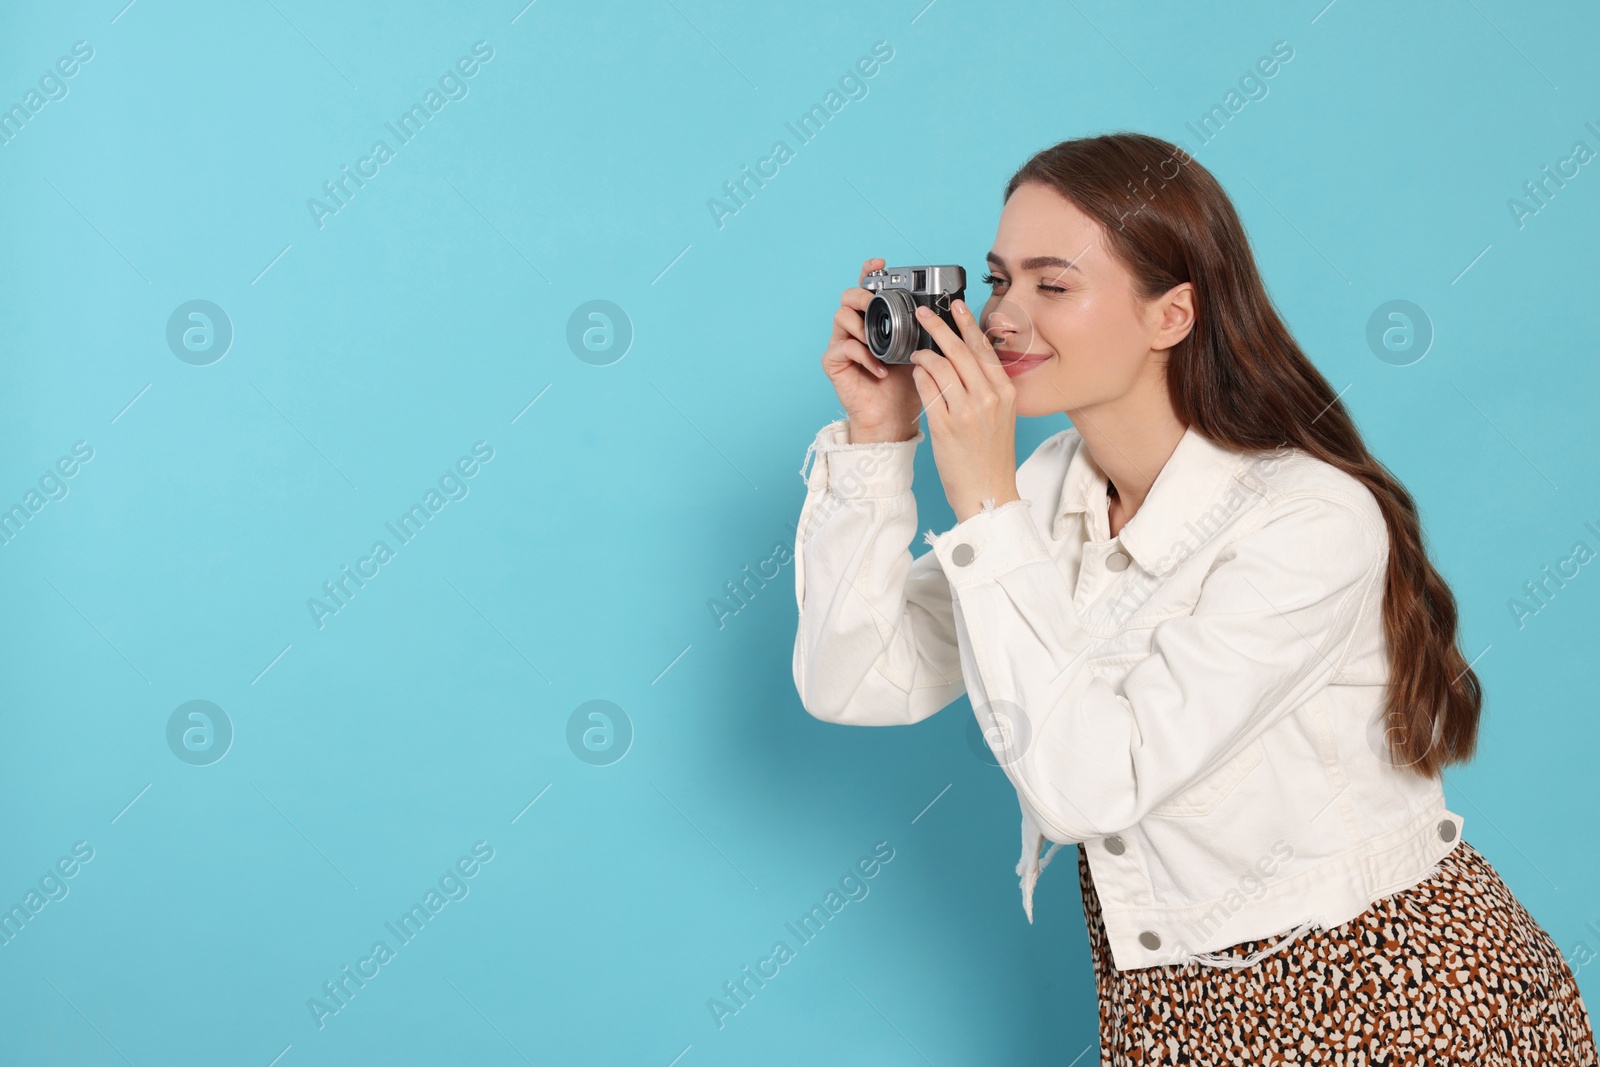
(1241, 380)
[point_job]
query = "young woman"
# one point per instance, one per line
(1199, 628)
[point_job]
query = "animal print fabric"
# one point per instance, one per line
(1451, 971)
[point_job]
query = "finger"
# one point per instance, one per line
(979, 343)
(857, 298)
(849, 350)
(945, 385)
(933, 404)
(964, 363)
(869, 266)
(847, 322)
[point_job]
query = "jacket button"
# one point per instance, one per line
(1117, 561)
(1447, 830)
(962, 555)
(1115, 845)
(1149, 939)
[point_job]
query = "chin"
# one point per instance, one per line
(1031, 404)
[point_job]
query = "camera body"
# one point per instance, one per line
(893, 332)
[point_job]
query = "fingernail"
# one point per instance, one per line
(960, 306)
(923, 312)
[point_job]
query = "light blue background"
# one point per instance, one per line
(425, 316)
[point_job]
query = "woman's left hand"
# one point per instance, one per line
(972, 415)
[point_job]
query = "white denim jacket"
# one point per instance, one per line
(1197, 700)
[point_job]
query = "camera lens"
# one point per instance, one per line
(892, 326)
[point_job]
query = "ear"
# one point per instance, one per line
(1173, 315)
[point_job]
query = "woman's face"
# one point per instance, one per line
(1063, 314)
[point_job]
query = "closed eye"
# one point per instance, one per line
(995, 282)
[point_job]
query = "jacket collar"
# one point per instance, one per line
(1194, 477)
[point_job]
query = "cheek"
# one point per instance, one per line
(1098, 332)
(1098, 355)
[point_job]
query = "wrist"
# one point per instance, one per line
(872, 433)
(972, 507)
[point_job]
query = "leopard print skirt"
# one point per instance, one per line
(1453, 970)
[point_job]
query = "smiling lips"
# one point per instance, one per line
(1016, 363)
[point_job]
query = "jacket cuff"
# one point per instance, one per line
(989, 543)
(861, 469)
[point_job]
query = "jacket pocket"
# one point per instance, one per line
(1204, 795)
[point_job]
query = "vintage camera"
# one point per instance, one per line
(893, 332)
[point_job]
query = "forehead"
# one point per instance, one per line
(1038, 221)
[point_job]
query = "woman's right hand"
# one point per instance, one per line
(880, 399)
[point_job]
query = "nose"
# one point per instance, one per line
(1009, 327)
(1000, 327)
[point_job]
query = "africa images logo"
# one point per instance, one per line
(452, 886)
(452, 86)
(852, 86)
(852, 886)
(453, 485)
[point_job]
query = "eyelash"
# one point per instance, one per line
(991, 281)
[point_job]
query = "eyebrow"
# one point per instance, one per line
(1036, 262)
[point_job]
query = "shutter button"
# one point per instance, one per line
(1115, 845)
(962, 555)
(1117, 561)
(1447, 830)
(1149, 939)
